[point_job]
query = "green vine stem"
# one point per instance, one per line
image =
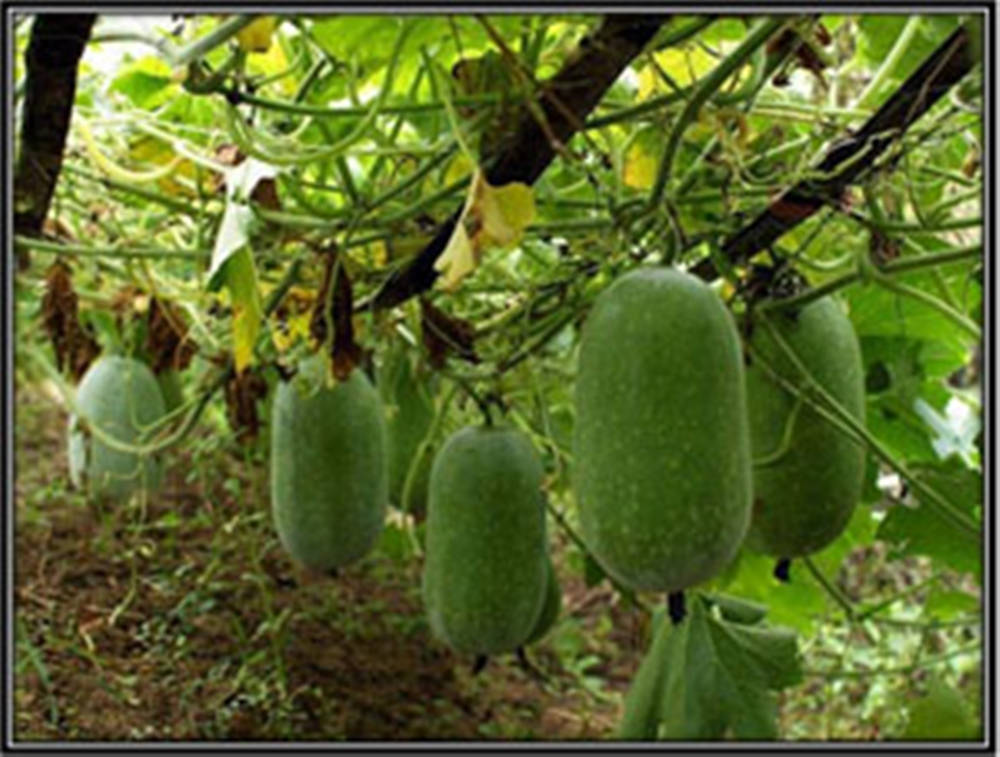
(244, 138)
(219, 35)
(173, 203)
(318, 111)
(785, 442)
(836, 594)
(898, 266)
(705, 88)
(889, 601)
(890, 62)
(84, 250)
(425, 446)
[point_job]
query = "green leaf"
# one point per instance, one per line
(947, 605)
(147, 82)
(641, 718)
(736, 609)
(920, 530)
(942, 715)
(720, 677)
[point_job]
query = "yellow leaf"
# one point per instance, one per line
(296, 328)
(640, 167)
(506, 211)
(459, 168)
(648, 82)
(400, 248)
(240, 277)
(679, 65)
(492, 217)
(272, 60)
(256, 36)
(458, 259)
(378, 254)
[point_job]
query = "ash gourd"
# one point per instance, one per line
(662, 448)
(120, 397)
(486, 578)
(329, 485)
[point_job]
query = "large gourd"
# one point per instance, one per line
(409, 415)
(328, 476)
(120, 397)
(485, 573)
(807, 473)
(662, 452)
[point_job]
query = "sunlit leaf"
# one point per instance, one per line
(641, 161)
(492, 217)
(147, 83)
(718, 679)
(240, 277)
(921, 530)
(256, 36)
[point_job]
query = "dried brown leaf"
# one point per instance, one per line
(74, 347)
(443, 333)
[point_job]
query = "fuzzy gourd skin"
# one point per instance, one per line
(550, 607)
(328, 477)
(805, 497)
(484, 578)
(121, 397)
(662, 449)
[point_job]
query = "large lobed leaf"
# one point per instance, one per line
(711, 679)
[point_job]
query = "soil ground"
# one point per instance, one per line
(186, 621)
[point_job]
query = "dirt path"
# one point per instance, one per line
(190, 623)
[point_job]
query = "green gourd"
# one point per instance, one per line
(484, 578)
(807, 473)
(551, 607)
(328, 477)
(120, 397)
(661, 444)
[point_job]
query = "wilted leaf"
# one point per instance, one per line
(242, 391)
(492, 217)
(234, 232)
(166, 337)
(74, 347)
(336, 308)
(443, 334)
